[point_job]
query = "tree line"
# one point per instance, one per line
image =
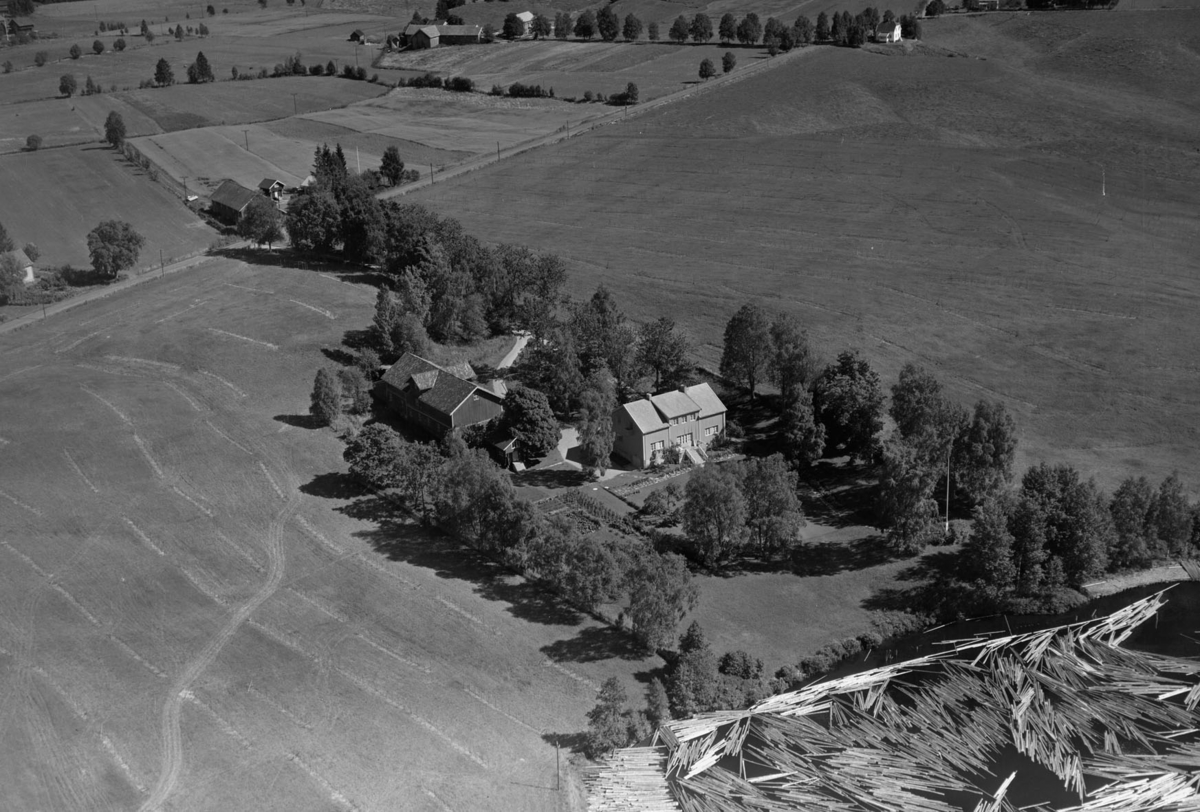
(460, 491)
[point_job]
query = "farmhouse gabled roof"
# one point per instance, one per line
(887, 28)
(427, 30)
(269, 183)
(704, 397)
(439, 388)
(644, 416)
(233, 194)
(674, 404)
(525, 16)
(23, 261)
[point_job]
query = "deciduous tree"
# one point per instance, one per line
(1073, 520)
(1132, 509)
(114, 129)
(679, 30)
(585, 25)
(514, 26)
(392, 166)
(325, 405)
(773, 513)
(163, 75)
(793, 365)
(652, 32)
(848, 402)
(984, 451)
(261, 222)
(528, 417)
(607, 23)
(727, 29)
(632, 28)
(801, 437)
(374, 456)
(747, 349)
(714, 517)
(905, 503)
(692, 679)
(596, 435)
(749, 30)
(987, 555)
(541, 26)
(728, 62)
(67, 85)
(803, 31)
(661, 592)
(1172, 518)
(98, 47)
(666, 350)
(75, 51)
(33, 143)
(701, 28)
(114, 246)
(313, 221)
(563, 25)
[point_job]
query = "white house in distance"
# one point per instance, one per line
(888, 32)
(690, 417)
(24, 265)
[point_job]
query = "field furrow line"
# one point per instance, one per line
(505, 714)
(266, 344)
(77, 342)
(244, 287)
(125, 359)
(63, 693)
(322, 311)
(454, 607)
(214, 375)
(437, 800)
(61, 764)
(398, 658)
(318, 537)
(32, 564)
(142, 661)
(237, 548)
(334, 795)
(18, 372)
(142, 537)
(19, 503)
(198, 506)
(179, 312)
(61, 590)
(124, 373)
(142, 447)
(208, 590)
(227, 438)
(319, 606)
(420, 720)
(124, 419)
(79, 471)
(179, 391)
(375, 565)
(172, 739)
(274, 485)
(270, 700)
(569, 673)
(226, 728)
(122, 764)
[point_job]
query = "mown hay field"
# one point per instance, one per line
(55, 197)
(199, 610)
(944, 211)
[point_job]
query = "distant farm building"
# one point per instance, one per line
(230, 200)
(437, 399)
(418, 37)
(24, 265)
(690, 418)
(14, 26)
(271, 188)
(527, 18)
(357, 35)
(888, 32)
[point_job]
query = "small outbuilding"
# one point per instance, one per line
(271, 187)
(230, 200)
(888, 32)
(24, 265)
(357, 35)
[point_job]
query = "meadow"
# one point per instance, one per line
(55, 197)
(199, 609)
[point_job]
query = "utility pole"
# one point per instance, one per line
(162, 267)
(948, 450)
(557, 768)
(246, 133)
(431, 174)
(294, 110)
(356, 54)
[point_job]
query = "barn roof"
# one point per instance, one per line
(233, 194)
(427, 30)
(440, 387)
(459, 30)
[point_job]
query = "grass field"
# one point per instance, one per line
(573, 67)
(198, 610)
(922, 208)
(55, 197)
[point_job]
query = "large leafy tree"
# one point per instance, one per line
(848, 402)
(67, 85)
(529, 418)
(666, 350)
(747, 350)
(608, 24)
(261, 222)
(585, 25)
(906, 500)
(563, 25)
(821, 32)
(541, 26)
(551, 365)
(514, 26)
(773, 513)
(114, 129)
(1172, 519)
(1132, 509)
(596, 435)
(325, 404)
(313, 221)
(374, 456)
(692, 679)
(632, 28)
(727, 28)
(362, 226)
(392, 166)
(988, 553)
(679, 30)
(925, 418)
(701, 28)
(114, 246)
(163, 75)
(661, 592)
(984, 451)
(1073, 519)
(793, 364)
(749, 30)
(714, 517)
(801, 437)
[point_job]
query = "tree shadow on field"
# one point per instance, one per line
(574, 742)
(333, 485)
(551, 478)
(299, 421)
(920, 587)
(357, 339)
(594, 643)
(338, 356)
(830, 558)
(399, 538)
(839, 494)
